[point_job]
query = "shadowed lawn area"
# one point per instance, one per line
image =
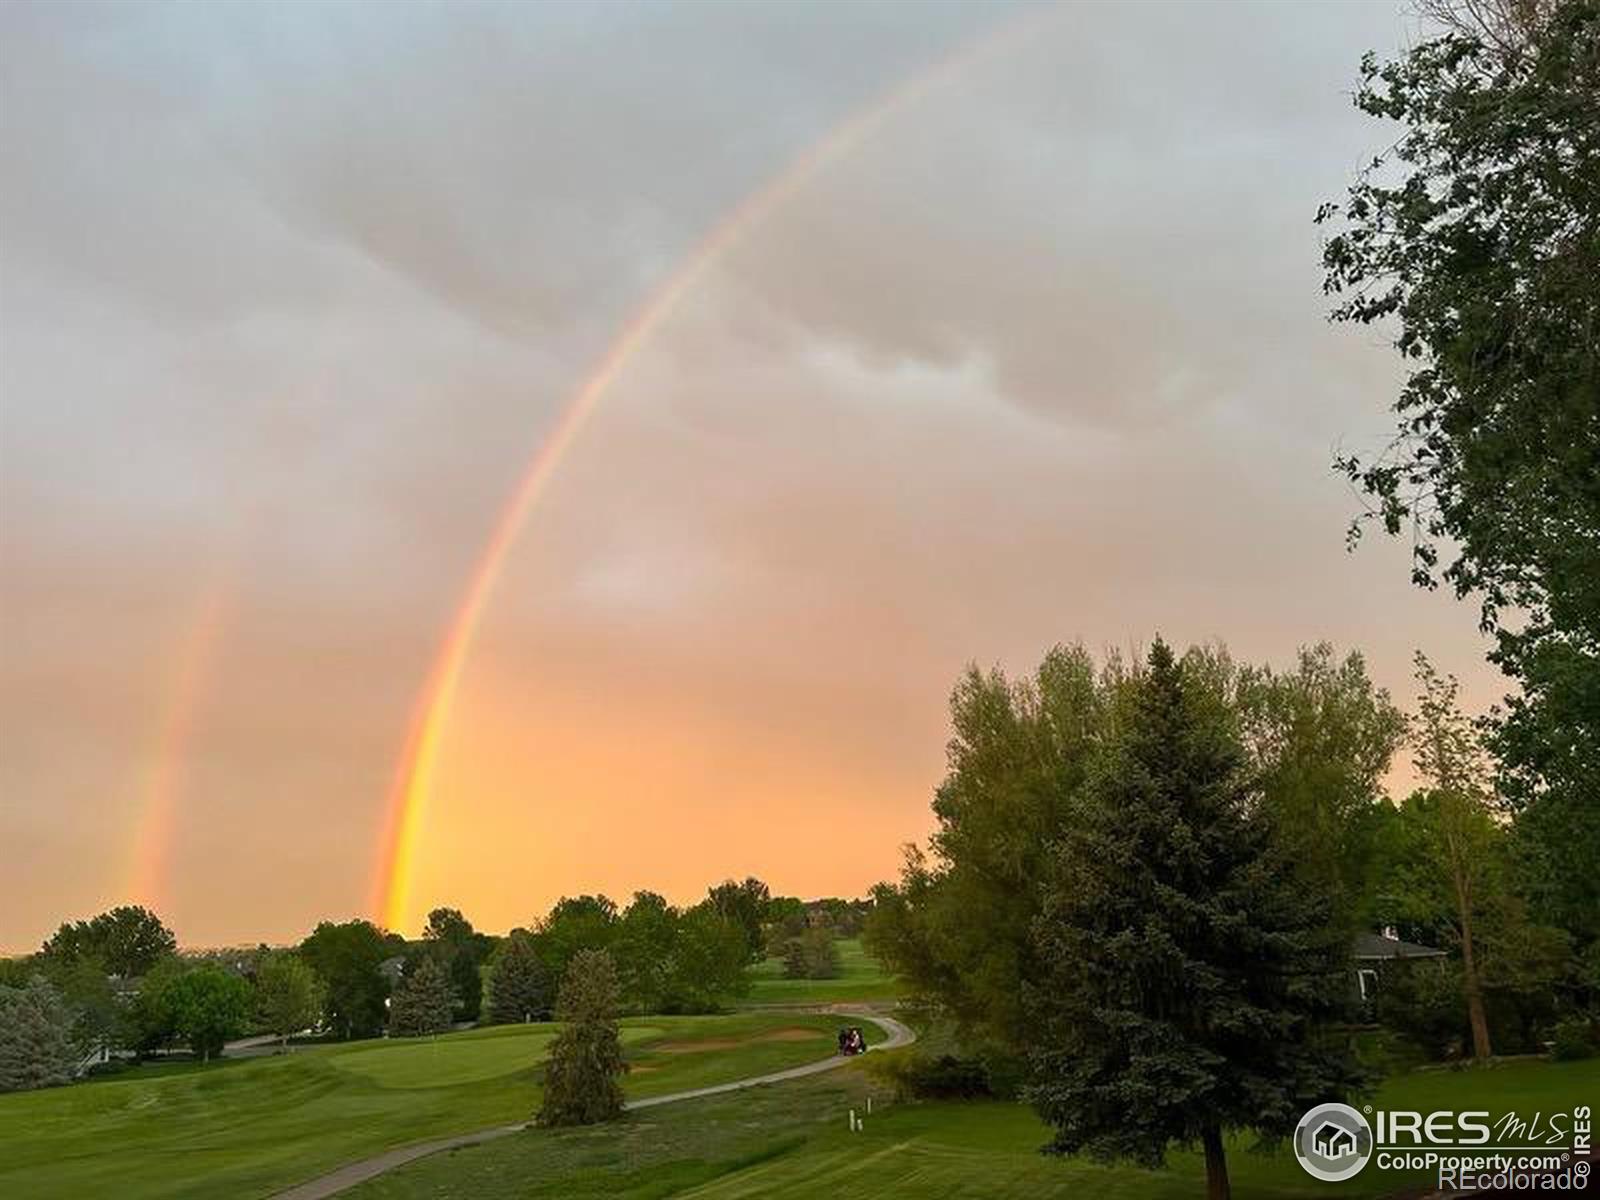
(860, 978)
(250, 1127)
(790, 1140)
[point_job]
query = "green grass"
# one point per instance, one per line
(860, 979)
(790, 1141)
(250, 1127)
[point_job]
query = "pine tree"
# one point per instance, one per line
(519, 984)
(582, 1078)
(1189, 970)
(36, 1047)
(424, 1003)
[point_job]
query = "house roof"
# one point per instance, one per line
(1372, 946)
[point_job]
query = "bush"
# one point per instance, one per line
(926, 1077)
(1423, 1001)
(1574, 1039)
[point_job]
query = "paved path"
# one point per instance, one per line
(368, 1168)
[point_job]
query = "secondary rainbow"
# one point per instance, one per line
(152, 840)
(414, 774)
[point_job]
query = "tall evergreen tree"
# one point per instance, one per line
(424, 1003)
(519, 984)
(36, 1047)
(1188, 970)
(582, 1078)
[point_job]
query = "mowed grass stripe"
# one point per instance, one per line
(791, 1140)
(250, 1128)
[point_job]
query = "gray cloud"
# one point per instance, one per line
(288, 295)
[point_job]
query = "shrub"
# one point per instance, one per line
(1574, 1039)
(927, 1077)
(1424, 1002)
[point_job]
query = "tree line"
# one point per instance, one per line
(1142, 893)
(117, 984)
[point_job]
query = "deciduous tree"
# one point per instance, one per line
(126, 941)
(209, 1005)
(745, 904)
(346, 958)
(289, 995)
(1475, 238)
(958, 927)
(710, 955)
(576, 923)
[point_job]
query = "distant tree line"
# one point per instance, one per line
(118, 985)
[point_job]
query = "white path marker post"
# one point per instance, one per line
(869, 1106)
(852, 1120)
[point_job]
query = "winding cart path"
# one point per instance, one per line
(364, 1169)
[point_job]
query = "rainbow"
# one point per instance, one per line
(148, 870)
(391, 902)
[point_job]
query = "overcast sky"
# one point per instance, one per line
(291, 293)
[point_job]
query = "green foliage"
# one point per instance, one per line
(582, 1083)
(151, 1021)
(576, 923)
(346, 958)
(1190, 974)
(665, 960)
(1424, 1002)
(745, 905)
(36, 1037)
(1573, 1040)
(424, 1002)
(98, 1023)
(208, 1005)
(126, 941)
(1322, 736)
(519, 985)
(1475, 238)
(709, 959)
(461, 950)
(915, 1076)
(811, 955)
(289, 996)
(958, 926)
(643, 951)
